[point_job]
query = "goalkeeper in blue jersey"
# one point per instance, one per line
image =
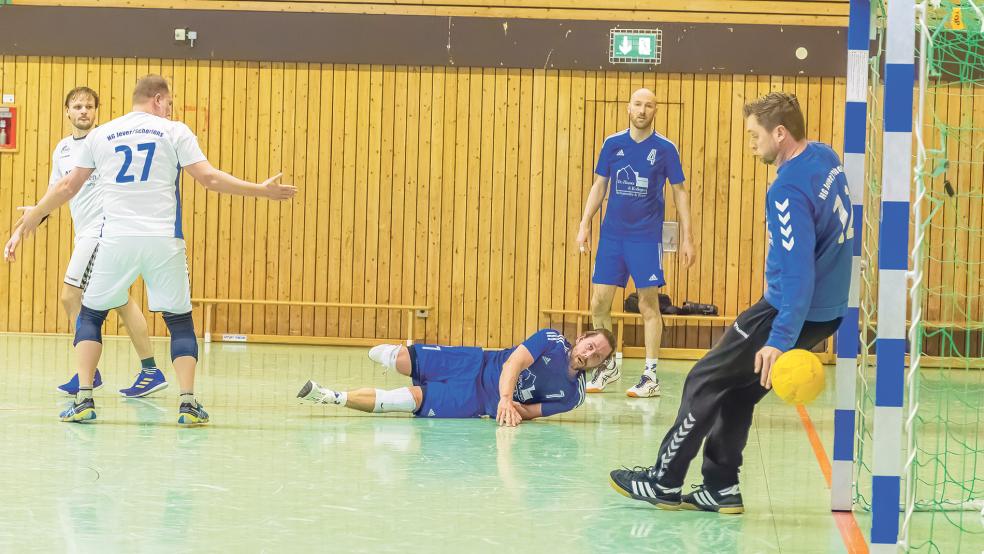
(808, 272)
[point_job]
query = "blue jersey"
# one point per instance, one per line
(809, 219)
(547, 381)
(637, 172)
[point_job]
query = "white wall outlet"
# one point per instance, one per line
(8, 98)
(179, 34)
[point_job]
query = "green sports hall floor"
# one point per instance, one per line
(270, 475)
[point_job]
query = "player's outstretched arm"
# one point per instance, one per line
(520, 359)
(220, 181)
(63, 191)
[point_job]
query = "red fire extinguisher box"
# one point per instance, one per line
(8, 128)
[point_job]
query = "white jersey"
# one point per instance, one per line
(139, 158)
(86, 206)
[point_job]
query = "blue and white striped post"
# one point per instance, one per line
(893, 257)
(855, 136)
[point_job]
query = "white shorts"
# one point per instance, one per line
(162, 263)
(80, 265)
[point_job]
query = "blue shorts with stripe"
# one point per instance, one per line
(451, 377)
(618, 259)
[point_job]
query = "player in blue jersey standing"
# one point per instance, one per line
(633, 167)
(808, 268)
(541, 377)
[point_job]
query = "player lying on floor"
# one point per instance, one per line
(541, 377)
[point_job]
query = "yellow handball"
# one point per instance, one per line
(797, 376)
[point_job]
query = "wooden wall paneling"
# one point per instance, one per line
(508, 332)
(390, 213)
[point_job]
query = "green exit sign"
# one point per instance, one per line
(636, 46)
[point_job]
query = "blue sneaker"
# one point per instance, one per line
(71, 388)
(190, 414)
(81, 412)
(148, 381)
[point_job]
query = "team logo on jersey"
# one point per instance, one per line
(525, 386)
(546, 360)
(66, 149)
(652, 157)
(653, 277)
(628, 182)
(620, 153)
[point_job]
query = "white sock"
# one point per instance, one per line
(188, 398)
(84, 393)
(651, 365)
(397, 400)
(385, 354)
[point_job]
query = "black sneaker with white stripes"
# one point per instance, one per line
(639, 483)
(724, 501)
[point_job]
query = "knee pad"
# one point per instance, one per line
(183, 340)
(398, 400)
(89, 325)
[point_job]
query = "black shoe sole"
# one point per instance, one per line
(306, 389)
(669, 506)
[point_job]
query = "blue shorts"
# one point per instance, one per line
(618, 259)
(451, 377)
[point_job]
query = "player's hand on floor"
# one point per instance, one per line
(507, 414)
(278, 191)
(764, 359)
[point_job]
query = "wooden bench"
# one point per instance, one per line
(209, 303)
(619, 318)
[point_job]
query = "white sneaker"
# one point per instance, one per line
(316, 394)
(608, 373)
(647, 387)
(385, 355)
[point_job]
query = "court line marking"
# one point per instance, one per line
(846, 523)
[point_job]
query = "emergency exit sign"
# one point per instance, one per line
(636, 46)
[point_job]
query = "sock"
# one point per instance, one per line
(398, 400)
(385, 354)
(148, 363)
(188, 398)
(391, 357)
(84, 393)
(651, 365)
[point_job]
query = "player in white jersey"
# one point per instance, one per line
(81, 109)
(139, 158)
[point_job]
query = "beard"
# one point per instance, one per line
(83, 126)
(641, 124)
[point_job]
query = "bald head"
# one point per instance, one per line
(642, 109)
(643, 95)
